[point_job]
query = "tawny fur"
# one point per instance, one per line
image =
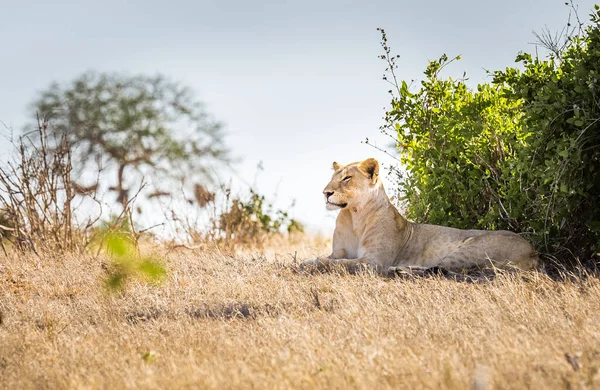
(370, 231)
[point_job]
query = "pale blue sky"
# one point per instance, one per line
(298, 84)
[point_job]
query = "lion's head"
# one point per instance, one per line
(351, 184)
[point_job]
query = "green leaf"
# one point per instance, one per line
(149, 356)
(118, 245)
(152, 270)
(404, 88)
(116, 281)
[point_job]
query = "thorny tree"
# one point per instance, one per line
(146, 126)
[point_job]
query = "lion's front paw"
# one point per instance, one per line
(308, 265)
(406, 270)
(309, 262)
(317, 265)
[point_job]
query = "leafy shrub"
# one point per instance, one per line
(457, 146)
(559, 97)
(520, 153)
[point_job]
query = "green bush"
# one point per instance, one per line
(456, 145)
(560, 99)
(519, 153)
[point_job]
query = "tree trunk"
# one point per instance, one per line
(122, 193)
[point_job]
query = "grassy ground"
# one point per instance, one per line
(251, 321)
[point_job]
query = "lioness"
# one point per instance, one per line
(370, 231)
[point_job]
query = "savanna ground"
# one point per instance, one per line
(253, 321)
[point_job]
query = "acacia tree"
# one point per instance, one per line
(144, 125)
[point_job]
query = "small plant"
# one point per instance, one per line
(126, 261)
(250, 221)
(149, 357)
(232, 221)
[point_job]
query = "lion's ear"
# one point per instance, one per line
(336, 166)
(371, 167)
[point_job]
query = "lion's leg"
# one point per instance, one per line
(352, 265)
(319, 261)
(464, 259)
(501, 250)
(407, 269)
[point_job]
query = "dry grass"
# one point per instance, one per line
(252, 322)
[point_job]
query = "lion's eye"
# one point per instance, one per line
(347, 178)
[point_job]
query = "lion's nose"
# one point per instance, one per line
(327, 194)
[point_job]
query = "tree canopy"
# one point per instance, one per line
(137, 125)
